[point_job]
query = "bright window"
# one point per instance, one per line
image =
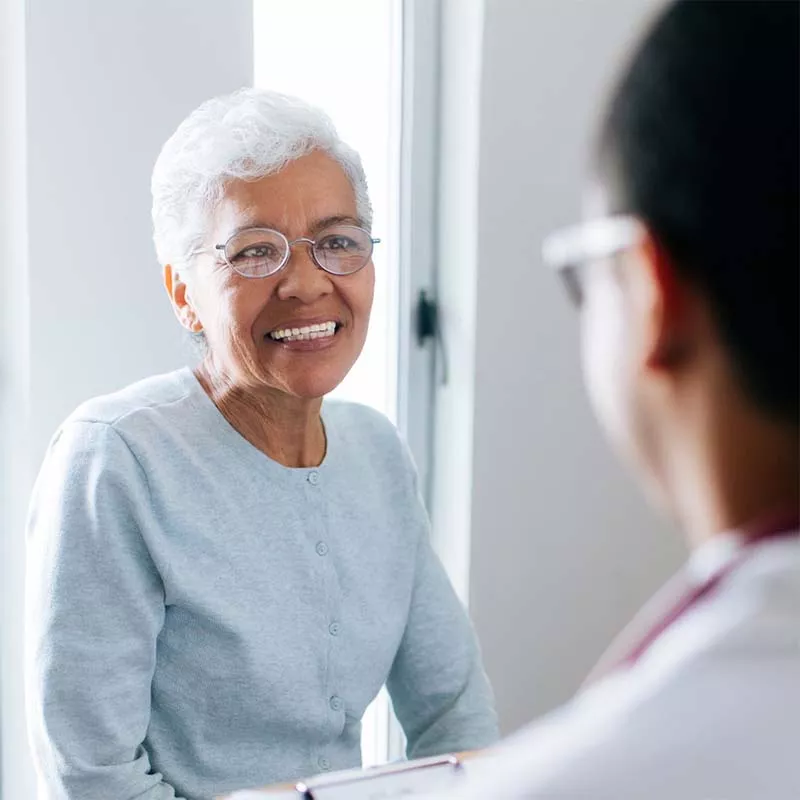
(343, 57)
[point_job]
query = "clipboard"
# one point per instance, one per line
(421, 776)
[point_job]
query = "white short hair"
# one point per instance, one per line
(241, 136)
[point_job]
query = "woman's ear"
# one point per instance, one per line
(181, 301)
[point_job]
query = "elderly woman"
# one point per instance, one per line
(224, 570)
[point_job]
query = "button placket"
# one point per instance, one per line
(317, 499)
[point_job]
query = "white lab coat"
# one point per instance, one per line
(711, 711)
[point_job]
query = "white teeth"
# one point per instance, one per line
(321, 331)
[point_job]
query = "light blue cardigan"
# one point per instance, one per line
(202, 619)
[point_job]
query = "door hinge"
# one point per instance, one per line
(427, 324)
(426, 318)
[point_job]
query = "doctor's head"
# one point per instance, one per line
(686, 266)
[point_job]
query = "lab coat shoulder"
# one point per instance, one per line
(712, 710)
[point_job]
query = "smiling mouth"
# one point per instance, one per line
(307, 333)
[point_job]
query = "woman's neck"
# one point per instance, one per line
(287, 429)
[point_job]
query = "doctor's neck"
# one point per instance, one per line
(729, 467)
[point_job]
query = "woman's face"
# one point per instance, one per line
(238, 314)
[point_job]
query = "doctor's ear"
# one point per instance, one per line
(181, 300)
(665, 306)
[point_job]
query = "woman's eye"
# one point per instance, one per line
(257, 251)
(338, 243)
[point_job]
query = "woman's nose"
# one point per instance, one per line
(301, 278)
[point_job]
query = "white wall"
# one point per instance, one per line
(107, 82)
(563, 550)
(15, 777)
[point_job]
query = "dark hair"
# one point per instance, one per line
(701, 141)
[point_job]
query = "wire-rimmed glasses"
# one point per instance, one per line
(261, 252)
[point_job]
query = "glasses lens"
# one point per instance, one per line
(572, 283)
(257, 252)
(343, 249)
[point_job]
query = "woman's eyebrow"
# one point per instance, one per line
(335, 219)
(314, 227)
(250, 224)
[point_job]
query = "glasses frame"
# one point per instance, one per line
(568, 249)
(310, 243)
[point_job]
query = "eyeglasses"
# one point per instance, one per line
(261, 252)
(569, 249)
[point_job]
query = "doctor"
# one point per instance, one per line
(686, 274)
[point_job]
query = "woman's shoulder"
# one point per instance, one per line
(93, 436)
(157, 391)
(110, 428)
(370, 437)
(354, 420)
(137, 414)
